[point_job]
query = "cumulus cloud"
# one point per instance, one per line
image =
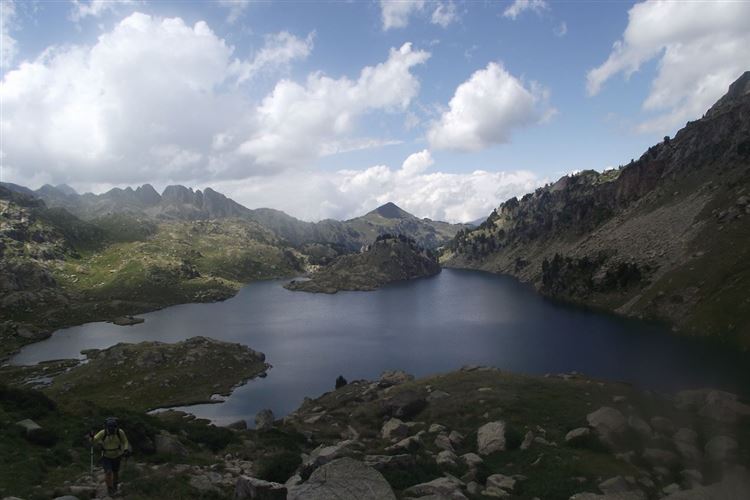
(297, 122)
(8, 45)
(279, 50)
(95, 8)
(236, 9)
(444, 14)
(520, 6)
(315, 195)
(701, 46)
(396, 13)
(156, 99)
(486, 108)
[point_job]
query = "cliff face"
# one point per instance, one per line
(665, 237)
(388, 259)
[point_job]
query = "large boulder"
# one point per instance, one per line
(491, 437)
(448, 487)
(721, 449)
(343, 478)
(168, 444)
(404, 405)
(264, 420)
(250, 488)
(394, 429)
(607, 422)
(718, 405)
(394, 377)
(686, 443)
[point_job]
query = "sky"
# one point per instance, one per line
(329, 109)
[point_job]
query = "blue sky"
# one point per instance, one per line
(326, 109)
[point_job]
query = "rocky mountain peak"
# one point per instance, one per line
(738, 90)
(391, 211)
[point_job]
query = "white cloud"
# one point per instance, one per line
(8, 45)
(486, 108)
(396, 13)
(95, 8)
(149, 100)
(520, 6)
(444, 14)
(315, 195)
(279, 50)
(294, 122)
(156, 99)
(236, 8)
(702, 47)
(561, 30)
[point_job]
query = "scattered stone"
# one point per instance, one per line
(527, 440)
(501, 481)
(394, 377)
(166, 443)
(659, 457)
(437, 395)
(343, 478)
(29, 425)
(443, 442)
(394, 429)
(456, 438)
(472, 460)
(491, 438)
(446, 458)
(607, 422)
(384, 462)
(409, 444)
(577, 435)
(436, 428)
(250, 488)
(264, 420)
(447, 486)
(721, 449)
(616, 484)
(641, 427)
(662, 425)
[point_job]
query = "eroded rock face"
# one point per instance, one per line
(491, 438)
(343, 478)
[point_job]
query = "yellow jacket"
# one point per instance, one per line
(113, 445)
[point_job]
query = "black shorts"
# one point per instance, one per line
(111, 464)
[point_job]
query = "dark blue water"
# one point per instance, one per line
(424, 326)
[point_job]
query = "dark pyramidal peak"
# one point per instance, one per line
(391, 211)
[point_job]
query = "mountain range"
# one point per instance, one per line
(665, 237)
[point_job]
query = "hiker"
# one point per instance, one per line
(114, 445)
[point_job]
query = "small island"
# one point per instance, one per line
(152, 375)
(390, 258)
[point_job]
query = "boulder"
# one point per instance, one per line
(264, 420)
(528, 439)
(394, 429)
(436, 428)
(325, 454)
(446, 458)
(456, 438)
(29, 425)
(663, 425)
(501, 481)
(203, 483)
(443, 442)
(394, 377)
(250, 488)
(641, 427)
(660, 458)
(686, 444)
(343, 478)
(384, 462)
(607, 422)
(239, 425)
(166, 443)
(721, 449)
(721, 406)
(733, 485)
(409, 444)
(616, 484)
(447, 486)
(472, 460)
(404, 405)
(491, 437)
(437, 395)
(691, 478)
(577, 435)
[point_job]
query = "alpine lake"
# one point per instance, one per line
(424, 326)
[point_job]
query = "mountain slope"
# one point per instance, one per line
(665, 237)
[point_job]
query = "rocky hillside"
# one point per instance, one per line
(58, 270)
(476, 433)
(390, 258)
(664, 237)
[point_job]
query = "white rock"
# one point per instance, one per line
(491, 438)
